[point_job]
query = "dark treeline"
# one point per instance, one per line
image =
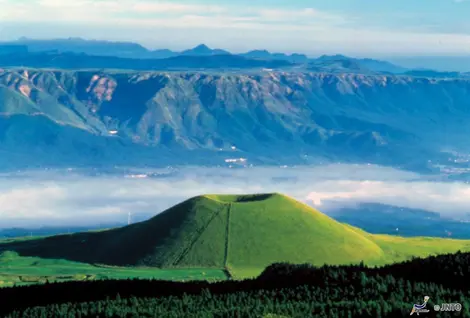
(289, 290)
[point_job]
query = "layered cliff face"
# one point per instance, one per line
(275, 115)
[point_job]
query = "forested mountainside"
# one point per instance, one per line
(85, 117)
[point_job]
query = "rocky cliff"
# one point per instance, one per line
(276, 117)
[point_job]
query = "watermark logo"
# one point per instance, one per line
(448, 307)
(420, 308)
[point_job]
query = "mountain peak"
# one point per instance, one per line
(201, 47)
(204, 50)
(260, 51)
(334, 57)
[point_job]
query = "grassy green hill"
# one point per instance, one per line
(243, 234)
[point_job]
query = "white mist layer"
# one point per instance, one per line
(41, 198)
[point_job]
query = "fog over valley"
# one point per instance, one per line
(89, 197)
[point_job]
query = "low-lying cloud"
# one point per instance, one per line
(57, 197)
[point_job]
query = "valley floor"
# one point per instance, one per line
(16, 270)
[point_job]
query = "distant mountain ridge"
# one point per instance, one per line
(50, 117)
(203, 50)
(136, 51)
(387, 219)
(77, 61)
(264, 54)
(343, 63)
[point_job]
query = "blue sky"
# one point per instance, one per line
(354, 27)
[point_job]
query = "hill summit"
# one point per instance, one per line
(218, 231)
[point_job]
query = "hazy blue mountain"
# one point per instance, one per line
(162, 54)
(91, 117)
(137, 51)
(204, 50)
(432, 73)
(266, 55)
(381, 66)
(294, 57)
(199, 59)
(109, 48)
(180, 62)
(338, 64)
(387, 219)
(258, 54)
(438, 63)
(90, 47)
(360, 65)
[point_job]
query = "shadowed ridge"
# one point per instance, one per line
(160, 241)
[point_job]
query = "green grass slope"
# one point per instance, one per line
(17, 270)
(275, 228)
(397, 249)
(38, 103)
(216, 231)
(241, 233)
(163, 241)
(15, 103)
